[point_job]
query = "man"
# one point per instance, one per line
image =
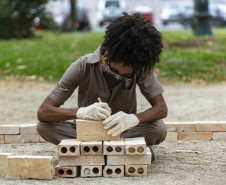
(130, 50)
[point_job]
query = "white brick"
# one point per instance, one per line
(114, 147)
(130, 159)
(180, 126)
(42, 140)
(171, 136)
(135, 146)
(91, 171)
(21, 138)
(204, 126)
(28, 129)
(91, 148)
(113, 171)
(219, 135)
(66, 171)
(34, 167)
(69, 147)
(3, 157)
(81, 160)
(135, 170)
(88, 130)
(9, 129)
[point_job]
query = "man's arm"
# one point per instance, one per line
(50, 111)
(158, 110)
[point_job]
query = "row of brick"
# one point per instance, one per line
(204, 130)
(196, 136)
(125, 146)
(105, 171)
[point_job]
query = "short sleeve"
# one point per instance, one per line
(149, 85)
(69, 82)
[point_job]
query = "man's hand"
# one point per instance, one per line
(120, 122)
(96, 111)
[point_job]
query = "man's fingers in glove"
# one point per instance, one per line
(101, 116)
(105, 106)
(111, 123)
(118, 132)
(105, 112)
(113, 130)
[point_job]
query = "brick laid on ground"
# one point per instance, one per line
(22, 138)
(28, 129)
(219, 135)
(2, 139)
(9, 129)
(136, 170)
(180, 126)
(35, 167)
(195, 136)
(218, 126)
(66, 171)
(171, 136)
(3, 158)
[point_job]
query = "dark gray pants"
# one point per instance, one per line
(53, 132)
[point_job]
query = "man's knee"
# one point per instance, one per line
(45, 131)
(157, 133)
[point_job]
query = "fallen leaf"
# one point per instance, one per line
(21, 67)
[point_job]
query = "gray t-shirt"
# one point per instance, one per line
(86, 74)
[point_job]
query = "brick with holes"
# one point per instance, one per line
(91, 171)
(113, 171)
(63, 171)
(135, 170)
(114, 147)
(135, 146)
(130, 159)
(91, 148)
(69, 147)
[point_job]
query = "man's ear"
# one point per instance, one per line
(105, 56)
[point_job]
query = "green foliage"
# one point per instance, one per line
(17, 16)
(184, 57)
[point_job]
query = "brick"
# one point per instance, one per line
(3, 157)
(34, 167)
(136, 170)
(61, 171)
(130, 159)
(219, 126)
(171, 136)
(81, 160)
(9, 129)
(91, 171)
(88, 130)
(135, 146)
(91, 148)
(195, 136)
(42, 140)
(114, 147)
(113, 171)
(180, 126)
(69, 147)
(28, 129)
(219, 135)
(21, 138)
(2, 139)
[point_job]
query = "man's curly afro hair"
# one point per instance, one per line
(132, 40)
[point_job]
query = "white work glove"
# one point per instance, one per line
(96, 111)
(120, 122)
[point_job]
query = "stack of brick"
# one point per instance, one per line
(126, 157)
(96, 154)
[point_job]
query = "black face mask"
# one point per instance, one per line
(111, 80)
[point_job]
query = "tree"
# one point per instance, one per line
(17, 17)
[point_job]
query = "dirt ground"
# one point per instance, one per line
(19, 101)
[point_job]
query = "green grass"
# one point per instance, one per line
(184, 58)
